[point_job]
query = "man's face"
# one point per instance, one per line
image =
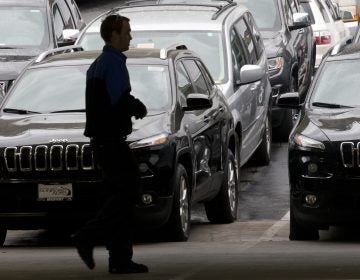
(121, 39)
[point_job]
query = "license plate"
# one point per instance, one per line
(55, 192)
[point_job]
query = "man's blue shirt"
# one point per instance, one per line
(111, 68)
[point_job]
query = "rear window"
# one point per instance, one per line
(307, 9)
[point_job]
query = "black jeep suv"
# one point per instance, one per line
(29, 27)
(185, 145)
(290, 48)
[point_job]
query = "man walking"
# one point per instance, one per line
(109, 108)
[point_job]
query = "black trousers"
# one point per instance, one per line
(114, 223)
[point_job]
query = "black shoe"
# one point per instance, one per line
(126, 268)
(84, 249)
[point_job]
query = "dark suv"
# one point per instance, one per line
(29, 27)
(185, 145)
(291, 51)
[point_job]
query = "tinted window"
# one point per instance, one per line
(327, 88)
(23, 27)
(265, 12)
(237, 55)
(196, 77)
(288, 13)
(331, 8)
(245, 34)
(76, 12)
(59, 24)
(65, 11)
(307, 9)
(183, 83)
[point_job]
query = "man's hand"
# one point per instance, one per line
(139, 109)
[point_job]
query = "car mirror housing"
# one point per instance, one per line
(251, 73)
(301, 20)
(69, 37)
(197, 101)
(289, 100)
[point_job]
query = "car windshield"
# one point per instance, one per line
(266, 13)
(207, 44)
(23, 27)
(43, 90)
(342, 92)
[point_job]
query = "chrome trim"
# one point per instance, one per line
(342, 145)
(36, 159)
(83, 166)
(25, 157)
(67, 163)
(6, 158)
(61, 166)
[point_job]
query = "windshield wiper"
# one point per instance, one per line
(329, 105)
(69, 111)
(19, 111)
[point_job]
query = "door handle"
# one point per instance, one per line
(207, 118)
(301, 31)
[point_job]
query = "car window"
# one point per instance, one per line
(245, 34)
(59, 24)
(266, 13)
(327, 88)
(293, 6)
(259, 45)
(65, 11)
(76, 13)
(331, 10)
(183, 83)
(205, 72)
(196, 77)
(238, 56)
(307, 9)
(23, 27)
(288, 13)
(323, 11)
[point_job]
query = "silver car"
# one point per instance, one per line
(227, 39)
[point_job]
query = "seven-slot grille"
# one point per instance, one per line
(55, 157)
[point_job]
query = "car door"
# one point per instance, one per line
(204, 131)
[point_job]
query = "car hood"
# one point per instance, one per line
(19, 130)
(337, 125)
(13, 61)
(273, 41)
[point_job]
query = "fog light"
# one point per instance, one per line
(313, 168)
(147, 199)
(310, 199)
(143, 167)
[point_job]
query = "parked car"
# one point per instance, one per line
(226, 38)
(324, 148)
(290, 48)
(328, 27)
(29, 27)
(185, 146)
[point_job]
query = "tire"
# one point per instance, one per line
(262, 155)
(289, 119)
(3, 232)
(179, 222)
(223, 208)
(300, 232)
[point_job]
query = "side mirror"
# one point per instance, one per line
(197, 101)
(301, 20)
(69, 37)
(251, 73)
(289, 100)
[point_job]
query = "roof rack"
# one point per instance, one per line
(46, 54)
(137, 3)
(177, 46)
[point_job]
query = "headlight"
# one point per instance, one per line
(307, 142)
(275, 63)
(151, 141)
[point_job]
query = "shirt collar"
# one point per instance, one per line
(114, 51)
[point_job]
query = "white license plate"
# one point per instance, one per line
(55, 192)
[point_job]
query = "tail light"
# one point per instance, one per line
(322, 37)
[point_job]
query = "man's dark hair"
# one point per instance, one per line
(109, 24)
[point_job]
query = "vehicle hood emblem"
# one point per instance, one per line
(58, 141)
